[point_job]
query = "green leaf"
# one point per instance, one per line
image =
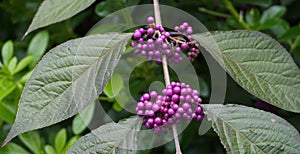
(12, 64)
(290, 34)
(38, 46)
(114, 86)
(6, 114)
(204, 89)
(55, 11)
(49, 149)
(247, 130)
(70, 143)
(81, 120)
(7, 52)
(32, 140)
(60, 140)
(68, 77)
(257, 63)
(25, 77)
(22, 64)
(109, 138)
(12, 148)
(272, 13)
(6, 87)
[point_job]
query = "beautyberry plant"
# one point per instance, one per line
(74, 74)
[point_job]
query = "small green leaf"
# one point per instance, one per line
(7, 52)
(49, 149)
(70, 143)
(22, 64)
(257, 63)
(55, 11)
(25, 77)
(55, 92)
(81, 120)
(12, 148)
(114, 86)
(12, 64)
(6, 87)
(32, 141)
(6, 114)
(38, 46)
(290, 34)
(247, 130)
(60, 140)
(109, 138)
(273, 12)
(271, 16)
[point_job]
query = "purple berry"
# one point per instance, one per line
(150, 31)
(150, 20)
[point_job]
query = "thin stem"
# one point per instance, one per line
(214, 13)
(166, 72)
(235, 14)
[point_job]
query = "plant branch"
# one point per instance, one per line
(166, 72)
(235, 14)
(214, 13)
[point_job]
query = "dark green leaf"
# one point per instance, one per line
(68, 77)
(257, 63)
(55, 11)
(110, 138)
(247, 130)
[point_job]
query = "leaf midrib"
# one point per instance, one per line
(240, 133)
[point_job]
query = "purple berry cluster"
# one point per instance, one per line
(178, 102)
(154, 42)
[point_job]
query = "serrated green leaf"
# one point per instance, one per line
(32, 141)
(38, 46)
(12, 148)
(60, 140)
(55, 11)
(49, 149)
(22, 64)
(114, 86)
(257, 63)
(111, 138)
(247, 130)
(7, 51)
(81, 120)
(68, 77)
(12, 64)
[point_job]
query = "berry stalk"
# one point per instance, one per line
(166, 72)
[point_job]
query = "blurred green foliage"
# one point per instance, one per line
(277, 18)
